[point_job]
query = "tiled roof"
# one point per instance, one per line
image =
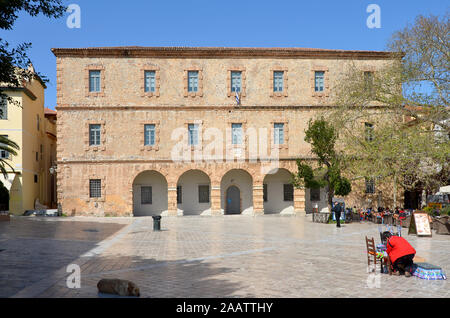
(48, 111)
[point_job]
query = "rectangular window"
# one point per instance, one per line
(203, 193)
(368, 80)
(35, 178)
(265, 192)
(288, 192)
(314, 194)
(278, 78)
(179, 195)
(236, 134)
(3, 108)
(319, 78)
(95, 188)
(149, 135)
(3, 153)
(94, 81)
(192, 81)
(193, 134)
(94, 134)
(236, 81)
(146, 195)
(37, 122)
(278, 133)
(370, 185)
(368, 131)
(150, 79)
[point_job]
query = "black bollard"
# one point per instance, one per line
(156, 223)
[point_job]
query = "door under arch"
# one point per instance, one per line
(233, 200)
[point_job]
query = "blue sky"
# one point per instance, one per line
(330, 24)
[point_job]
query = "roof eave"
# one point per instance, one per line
(187, 52)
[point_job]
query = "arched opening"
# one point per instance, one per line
(194, 193)
(233, 200)
(237, 186)
(316, 199)
(278, 192)
(150, 195)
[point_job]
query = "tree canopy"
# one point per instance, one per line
(322, 136)
(395, 121)
(14, 61)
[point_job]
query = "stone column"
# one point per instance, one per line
(299, 201)
(258, 198)
(172, 200)
(215, 200)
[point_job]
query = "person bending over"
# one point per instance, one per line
(401, 254)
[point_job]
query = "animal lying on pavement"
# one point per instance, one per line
(118, 287)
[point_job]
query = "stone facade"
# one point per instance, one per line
(122, 108)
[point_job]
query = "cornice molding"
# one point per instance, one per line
(220, 52)
(169, 161)
(200, 108)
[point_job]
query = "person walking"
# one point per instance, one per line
(337, 213)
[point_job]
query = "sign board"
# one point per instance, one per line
(420, 224)
(435, 205)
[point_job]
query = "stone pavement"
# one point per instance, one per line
(230, 256)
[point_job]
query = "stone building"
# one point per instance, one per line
(189, 131)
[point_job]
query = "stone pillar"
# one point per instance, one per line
(215, 200)
(172, 200)
(299, 201)
(258, 198)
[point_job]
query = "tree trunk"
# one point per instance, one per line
(330, 198)
(395, 190)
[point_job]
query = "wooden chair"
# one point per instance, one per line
(371, 252)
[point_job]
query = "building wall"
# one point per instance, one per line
(123, 80)
(122, 108)
(22, 127)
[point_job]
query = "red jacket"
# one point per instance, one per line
(397, 246)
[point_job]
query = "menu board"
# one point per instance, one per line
(420, 224)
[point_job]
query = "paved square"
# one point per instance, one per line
(230, 256)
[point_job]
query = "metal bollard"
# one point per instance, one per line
(156, 223)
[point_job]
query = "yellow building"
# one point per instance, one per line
(33, 128)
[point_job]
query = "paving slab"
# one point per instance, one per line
(195, 256)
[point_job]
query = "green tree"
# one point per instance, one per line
(7, 146)
(4, 198)
(405, 105)
(322, 136)
(14, 61)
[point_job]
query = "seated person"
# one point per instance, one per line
(401, 254)
(361, 215)
(368, 214)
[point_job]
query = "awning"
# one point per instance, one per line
(445, 189)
